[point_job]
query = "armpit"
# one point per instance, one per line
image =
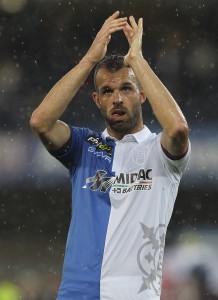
(64, 149)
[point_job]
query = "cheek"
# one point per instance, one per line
(103, 109)
(136, 106)
(134, 101)
(104, 104)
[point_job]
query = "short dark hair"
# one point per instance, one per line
(111, 63)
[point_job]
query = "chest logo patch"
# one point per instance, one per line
(138, 155)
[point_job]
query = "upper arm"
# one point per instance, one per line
(55, 137)
(175, 143)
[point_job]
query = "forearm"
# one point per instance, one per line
(175, 129)
(59, 97)
(163, 104)
(44, 121)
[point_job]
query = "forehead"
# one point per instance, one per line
(105, 77)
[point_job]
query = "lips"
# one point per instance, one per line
(118, 114)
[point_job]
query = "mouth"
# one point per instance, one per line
(118, 114)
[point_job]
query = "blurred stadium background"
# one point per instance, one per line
(40, 40)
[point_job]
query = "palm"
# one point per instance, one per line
(113, 24)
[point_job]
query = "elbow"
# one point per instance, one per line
(183, 129)
(180, 132)
(175, 138)
(38, 124)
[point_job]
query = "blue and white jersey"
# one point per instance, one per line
(123, 193)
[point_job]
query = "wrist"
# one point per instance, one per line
(133, 58)
(92, 58)
(89, 61)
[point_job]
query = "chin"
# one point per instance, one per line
(121, 127)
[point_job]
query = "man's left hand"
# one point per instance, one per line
(133, 33)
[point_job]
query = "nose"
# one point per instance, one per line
(117, 97)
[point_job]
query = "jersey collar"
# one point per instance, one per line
(139, 136)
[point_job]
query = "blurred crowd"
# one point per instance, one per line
(190, 271)
(30, 286)
(41, 40)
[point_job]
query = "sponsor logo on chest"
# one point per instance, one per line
(127, 182)
(122, 183)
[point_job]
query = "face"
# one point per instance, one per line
(119, 98)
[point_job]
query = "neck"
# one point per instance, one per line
(120, 134)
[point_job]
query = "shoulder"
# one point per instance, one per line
(82, 131)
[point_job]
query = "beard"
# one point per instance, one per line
(125, 126)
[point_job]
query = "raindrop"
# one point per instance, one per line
(177, 12)
(212, 65)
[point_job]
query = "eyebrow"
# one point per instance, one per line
(105, 87)
(128, 84)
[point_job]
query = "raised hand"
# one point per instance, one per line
(133, 33)
(98, 48)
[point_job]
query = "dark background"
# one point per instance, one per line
(39, 42)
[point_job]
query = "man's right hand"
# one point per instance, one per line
(44, 121)
(98, 49)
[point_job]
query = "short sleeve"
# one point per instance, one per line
(70, 157)
(174, 168)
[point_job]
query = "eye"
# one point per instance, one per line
(126, 88)
(107, 91)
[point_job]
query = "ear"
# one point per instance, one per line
(142, 96)
(96, 99)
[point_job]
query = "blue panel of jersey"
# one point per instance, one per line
(89, 161)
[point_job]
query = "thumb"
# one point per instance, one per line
(108, 39)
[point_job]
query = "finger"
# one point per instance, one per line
(133, 22)
(140, 23)
(112, 26)
(116, 24)
(105, 32)
(128, 27)
(126, 32)
(113, 17)
(116, 14)
(116, 28)
(108, 39)
(120, 23)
